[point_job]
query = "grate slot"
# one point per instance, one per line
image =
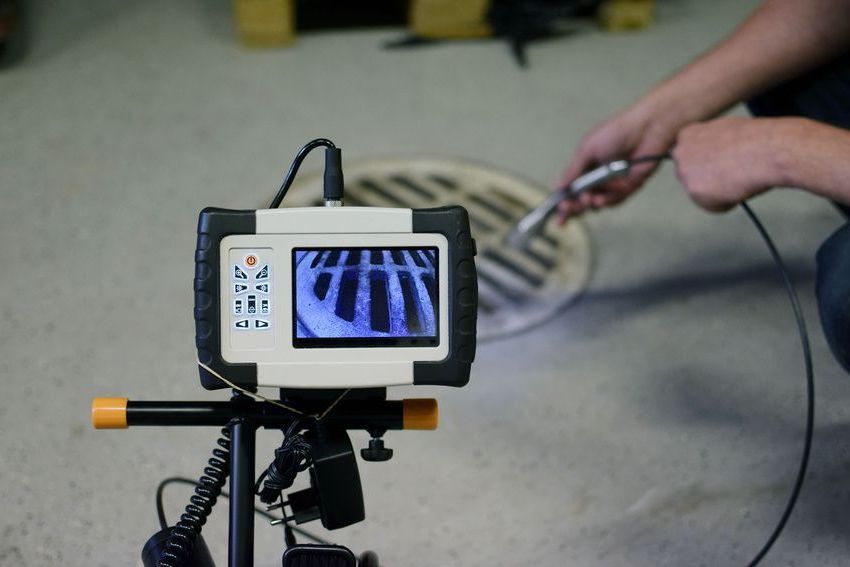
(352, 200)
(333, 259)
(353, 258)
(347, 297)
(379, 304)
(543, 261)
(411, 303)
(431, 288)
(479, 225)
(485, 306)
(323, 283)
(413, 187)
(376, 257)
(376, 189)
(398, 258)
(499, 287)
(483, 216)
(319, 255)
(510, 200)
(443, 182)
(511, 266)
(431, 258)
(548, 240)
(417, 259)
(506, 216)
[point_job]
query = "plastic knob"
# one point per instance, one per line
(376, 452)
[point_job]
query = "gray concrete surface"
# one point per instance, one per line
(656, 422)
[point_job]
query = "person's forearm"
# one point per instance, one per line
(814, 156)
(780, 40)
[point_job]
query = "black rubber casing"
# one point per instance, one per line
(453, 223)
(213, 225)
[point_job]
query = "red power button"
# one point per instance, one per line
(251, 261)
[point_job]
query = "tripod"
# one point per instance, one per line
(335, 495)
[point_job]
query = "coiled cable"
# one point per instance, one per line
(181, 541)
(292, 457)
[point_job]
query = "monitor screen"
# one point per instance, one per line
(365, 297)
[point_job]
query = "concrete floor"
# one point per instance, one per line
(658, 421)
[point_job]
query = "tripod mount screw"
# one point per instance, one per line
(376, 452)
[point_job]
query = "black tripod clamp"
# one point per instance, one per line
(335, 496)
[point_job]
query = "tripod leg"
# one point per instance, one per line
(243, 452)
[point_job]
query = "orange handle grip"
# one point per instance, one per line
(109, 413)
(420, 413)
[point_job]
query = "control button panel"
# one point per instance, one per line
(250, 287)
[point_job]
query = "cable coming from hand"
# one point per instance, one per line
(807, 360)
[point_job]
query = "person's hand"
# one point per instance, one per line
(633, 133)
(726, 161)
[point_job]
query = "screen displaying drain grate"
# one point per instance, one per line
(366, 297)
(517, 288)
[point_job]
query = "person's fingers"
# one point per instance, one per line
(568, 209)
(640, 173)
(572, 207)
(600, 201)
(564, 209)
(580, 161)
(650, 146)
(614, 199)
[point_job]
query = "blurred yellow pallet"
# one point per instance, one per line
(272, 22)
(620, 15)
(449, 19)
(264, 22)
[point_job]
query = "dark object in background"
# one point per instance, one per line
(342, 14)
(833, 293)
(522, 21)
(13, 33)
(519, 22)
(822, 94)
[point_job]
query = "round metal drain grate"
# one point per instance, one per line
(517, 288)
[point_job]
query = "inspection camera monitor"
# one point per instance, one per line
(335, 297)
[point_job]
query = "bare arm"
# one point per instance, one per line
(781, 39)
(725, 161)
(821, 163)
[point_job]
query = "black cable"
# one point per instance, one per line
(224, 494)
(292, 457)
(181, 539)
(810, 386)
(293, 169)
(658, 158)
(807, 358)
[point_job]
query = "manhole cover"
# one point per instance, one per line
(517, 288)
